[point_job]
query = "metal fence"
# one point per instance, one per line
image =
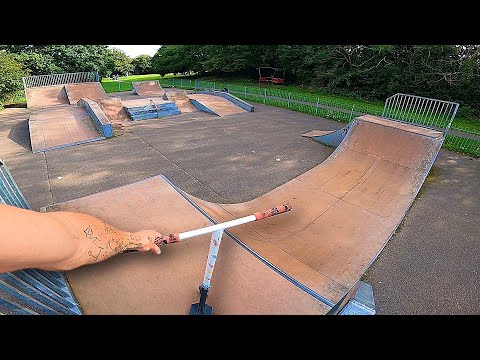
(322, 106)
(462, 145)
(421, 111)
(59, 79)
(31, 291)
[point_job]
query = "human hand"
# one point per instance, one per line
(144, 241)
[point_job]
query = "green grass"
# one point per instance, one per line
(372, 107)
(297, 92)
(471, 126)
(124, 83)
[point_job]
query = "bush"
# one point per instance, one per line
(11, 73)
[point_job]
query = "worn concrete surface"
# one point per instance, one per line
(429, 266)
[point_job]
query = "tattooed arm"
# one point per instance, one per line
(62, 240)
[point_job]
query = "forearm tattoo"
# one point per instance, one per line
(114, 244)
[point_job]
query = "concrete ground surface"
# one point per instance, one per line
(429, 267)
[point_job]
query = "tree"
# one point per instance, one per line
(142, 64)
(177, 59)
(38, 63)
(119, 62)
(48, 59)
(11, 73)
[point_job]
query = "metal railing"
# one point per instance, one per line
(431, 113)
(59, 79)
(31, 291)
(341, 110)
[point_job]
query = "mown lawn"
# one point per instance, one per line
(124, 83)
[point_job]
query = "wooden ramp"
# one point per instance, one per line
(61, 127)
(344, 212)
(46, 96)
(217, 104)
(89, 90)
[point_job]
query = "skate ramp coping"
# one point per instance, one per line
(310, 262)
(147, 88)
(90, 90)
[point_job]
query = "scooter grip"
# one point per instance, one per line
(272, 212)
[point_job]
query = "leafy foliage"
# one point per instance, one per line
(448, 72)
(119, 63)
(48, 59)
(142, 65)
(11, 73)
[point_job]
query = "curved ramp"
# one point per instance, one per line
(144, 284)
(89, 90)
(344, 212)
(345, 209)
(217, 104)
(148, 88)
(46, 96)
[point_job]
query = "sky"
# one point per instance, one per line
(135, 50)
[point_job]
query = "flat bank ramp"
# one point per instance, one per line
(46, 96)
(89, 90)
(168, 284)
(217, 104)
(304, 262)
(61, 127)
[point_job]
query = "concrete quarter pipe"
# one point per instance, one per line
(344, 212)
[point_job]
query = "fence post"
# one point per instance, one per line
(173, 82)
(265, 97)
(245, 93)
(351, 113)
(181, 83)
(228, 88)
(316, 108)
(289, 96)
(214, 86)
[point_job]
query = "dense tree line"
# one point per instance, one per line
(449, 72)
(17, 61)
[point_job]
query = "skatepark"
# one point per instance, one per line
(213, 161)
